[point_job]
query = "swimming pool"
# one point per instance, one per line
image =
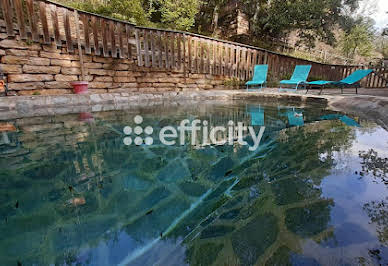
(76, 189)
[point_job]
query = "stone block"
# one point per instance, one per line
(26, 86)
(57, 85)
(100, 85)
(14, 60)
(38, 61)
(104, 60)
(61, 77)
(103, 79)
(54, 55)
(11, 68)
(30, 77)
(97, 91)
(146, 85)
(41, 69)
(60, 62)
(15, 44)
(124, 79)
(71, 71)
(18, 52)
(163, 85)
(102, 72)
(93, 65)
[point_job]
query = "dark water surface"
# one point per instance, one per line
(313, 193)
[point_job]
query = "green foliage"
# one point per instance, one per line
(179, 14)
(313, 19)
(174, 14)
(358, 41)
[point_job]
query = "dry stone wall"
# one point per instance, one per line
(38, 69)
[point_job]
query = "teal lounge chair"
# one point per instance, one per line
(259, 76)
(257, 116)
(350, 81)
(295, 118)
(299, 77)
(343, 118)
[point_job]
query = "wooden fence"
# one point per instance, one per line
(48, 23)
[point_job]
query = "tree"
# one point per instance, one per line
(358, 41)
(173, 14)
(178, 14)
(314, 19)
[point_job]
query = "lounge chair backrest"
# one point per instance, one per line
(356, 76)
(260, 73)
(301, 72)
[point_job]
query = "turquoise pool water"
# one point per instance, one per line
(314, 192)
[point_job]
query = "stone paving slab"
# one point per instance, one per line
(367, 106)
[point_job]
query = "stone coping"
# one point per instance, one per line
(369, 107)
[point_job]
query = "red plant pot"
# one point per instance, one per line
(80, 87)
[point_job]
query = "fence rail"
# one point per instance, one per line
(47, 22)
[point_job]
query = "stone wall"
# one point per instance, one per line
(38, 69)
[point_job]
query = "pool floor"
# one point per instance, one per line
(76, 189)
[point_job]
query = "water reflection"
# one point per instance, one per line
(85, 197)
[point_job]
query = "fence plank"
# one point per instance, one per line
(138, 48)
(179, 51)
(43, 20)
(20, 19)
(69, 40)
(85, 21)
(166, 51)
(120, 32)
(8, 16)
(153, 49)
(95, 27)
(189, 43)
(128, 44)
(32, 20)
(112, 30)
(160, 49)
(146, 48)
(105, 37)
(54, 18)
(172, 40)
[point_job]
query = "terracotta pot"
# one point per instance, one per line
(80, 87)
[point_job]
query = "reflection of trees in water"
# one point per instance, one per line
(376, 166)
(378, 213)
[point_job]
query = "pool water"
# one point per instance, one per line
(75, 191)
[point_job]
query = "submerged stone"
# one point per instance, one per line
(174, 171)
(230, 214)
(153, 198)
(216, 231)
(151, 225)
(246, 182)
(220, 168)
(200, 213)
(221, 189)
(310, 220)
(193, 189)
(207, 253)
(251, 241)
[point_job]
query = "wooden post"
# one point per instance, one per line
(81, 58)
